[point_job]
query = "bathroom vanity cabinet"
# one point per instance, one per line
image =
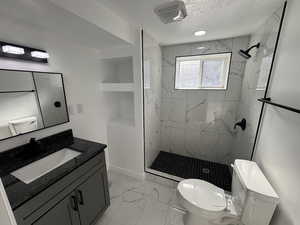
(77, 199)
(80, 206)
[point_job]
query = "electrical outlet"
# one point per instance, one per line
(79, 108)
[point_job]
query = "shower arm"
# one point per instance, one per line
(254, 46)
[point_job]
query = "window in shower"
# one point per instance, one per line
(202, 71)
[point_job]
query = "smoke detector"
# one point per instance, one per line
(171, 12)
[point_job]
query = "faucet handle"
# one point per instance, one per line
(241, 124)
(35, 144)
(32, 141)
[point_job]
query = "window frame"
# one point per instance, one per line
(205, 88)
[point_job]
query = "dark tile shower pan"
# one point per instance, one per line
(187, 167)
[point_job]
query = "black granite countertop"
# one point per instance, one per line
(18, 192)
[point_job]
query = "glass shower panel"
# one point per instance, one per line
(257, 72)
(152, 97)
(198, 132)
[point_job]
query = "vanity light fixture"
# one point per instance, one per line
(19, 52)
(40, 54)
(13, 50)
(200, 33)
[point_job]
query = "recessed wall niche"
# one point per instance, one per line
(117, 74)
(117, 83)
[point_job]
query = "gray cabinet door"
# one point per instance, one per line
(92, 197)
(64, 213)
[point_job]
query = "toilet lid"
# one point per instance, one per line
(202, 194)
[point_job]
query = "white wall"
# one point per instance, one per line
(96, 13)
(278, 151)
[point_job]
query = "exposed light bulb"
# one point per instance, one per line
(200, 33)
(40, 55)
(13, 50)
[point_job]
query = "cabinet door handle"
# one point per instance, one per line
(74, 203)
(80, 197)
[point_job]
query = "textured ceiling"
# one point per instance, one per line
(220, 18)
(198, 7)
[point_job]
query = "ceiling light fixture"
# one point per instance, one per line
(40, 54)
(13, 50)
(200, 33)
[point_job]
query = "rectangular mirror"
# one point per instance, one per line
(30, 101)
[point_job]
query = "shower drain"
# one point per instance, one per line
(205, 170)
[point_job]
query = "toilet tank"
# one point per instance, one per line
(23, 125)
(252, 194)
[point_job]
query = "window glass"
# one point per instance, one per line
(212, 76)
(189, 75)
(202, 71)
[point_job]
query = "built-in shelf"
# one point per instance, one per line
(117, 87)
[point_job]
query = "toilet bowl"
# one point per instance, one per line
(252, 201)
(205, 203)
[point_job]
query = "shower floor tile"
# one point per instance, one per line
(187, 167)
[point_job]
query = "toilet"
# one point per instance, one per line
(252, 201)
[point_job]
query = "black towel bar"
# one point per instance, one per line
(269, 101)
(8, 92)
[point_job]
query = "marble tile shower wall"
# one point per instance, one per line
(254, 83)
(199, 123)
(152, 96)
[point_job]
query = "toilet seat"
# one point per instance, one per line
(202, 195)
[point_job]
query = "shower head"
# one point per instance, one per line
(245, 53)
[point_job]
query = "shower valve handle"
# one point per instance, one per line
(242, 124)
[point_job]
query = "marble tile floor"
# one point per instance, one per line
(152, 201)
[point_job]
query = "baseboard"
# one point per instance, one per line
(164, 175)
(130, 173)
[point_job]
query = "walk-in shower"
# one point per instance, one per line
(200, 103)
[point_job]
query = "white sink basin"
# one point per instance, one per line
(35, 170)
